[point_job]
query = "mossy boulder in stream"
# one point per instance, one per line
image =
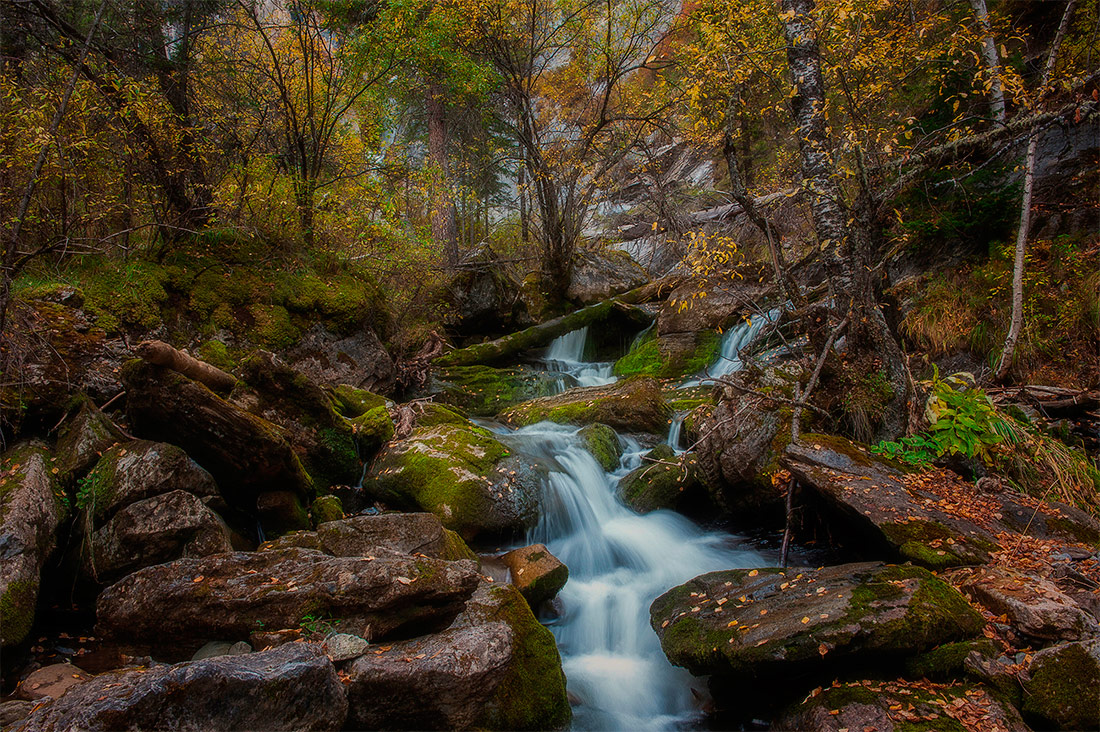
(463, 475)
(635, 405)
(603, 444)
(664, 480)
(483, 390)
(651, 356)
(742, 625)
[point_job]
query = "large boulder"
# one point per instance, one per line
(933, 519)
(484, 298)
(293, 687)
(134, 471)
(536, 573)
(602, 443)
(1060, 690)
(31, 509)
(358, 360)
(633, 405)
(463, 475)
(1033, 606)
(188, 602)
(770, 623)
(360, 536)
(669, 357)
(152, 531)
(897, 706)
(324, 440)
(664, 480)
(599, 275)
(246, 454)
(484, 390)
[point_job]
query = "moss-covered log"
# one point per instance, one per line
(539, 335)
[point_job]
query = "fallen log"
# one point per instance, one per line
(160, 353)
(543, 333)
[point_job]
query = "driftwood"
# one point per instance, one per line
(1052, 401)
(160, 353)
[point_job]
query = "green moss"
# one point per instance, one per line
(455, 548)
(273, 327)
(326, 508)
(373, 429)
(852, 450)
(484, 390)
(1058, 690)
(946, 661)
(352, 402)
(17, 606)
(96, 491)
(636, 404)
(531, 696)
(603, 444)
(645, 357)
(1076, 530)
(215, 353)
(660, 482)
(934, 545)
(432, 415)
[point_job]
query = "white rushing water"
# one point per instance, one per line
(619, 562)
(674, 429)
(733, 340)
(566, 356)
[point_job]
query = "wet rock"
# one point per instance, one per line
(531, 692)
(136, 470)
(949, 660)
(323, 439)
(664, 480)
(344, 646)
(31, 509)
(152, 531)
(440, 681)
(896, 707)
(50, 682)
(887, 507)
(294, 687)
(484, 390)
(463, 475)
(603, 444)
(1034, 607)
(669, 357)
(358, 360)
(85, 437)
(1062, 684)
(632, 405)
(213, 649)
(352, 402)
(246, 454)
(360, 536)
(536, 573)
(325, 509)
(599, 275)
(227, 596)
(14, 711)
(770, 623)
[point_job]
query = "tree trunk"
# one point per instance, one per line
(1017, 322)
(992, 63)
(443, 207)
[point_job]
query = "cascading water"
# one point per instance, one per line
(566, 356)
(619, 562)
(734, 339)
(674, 429)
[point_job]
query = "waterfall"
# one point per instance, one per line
(619, 562)
(566, 356)
(733, 340)
(674, 429)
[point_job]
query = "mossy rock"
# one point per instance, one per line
(87, 435)
(483, 390)
(531, 696)
(325, 509)
(372, 430)
(635, 405)
(352, 402)
(215, 353)
(602, 443)
(946, 661)
(1061, 691)
(664, 480)
(430, 414)
(767, 623)
(649, 357)
(461, 474)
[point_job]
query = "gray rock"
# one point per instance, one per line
(344, 646)
(153, 531)
(745, 625)
(14, 711)
(31, 509)
(362, 536)
(84, 438)
(213, 649)
(227, 596)
(599, 275)
(358, 360)
(484, 298)
(294, 687)
(1034, 607)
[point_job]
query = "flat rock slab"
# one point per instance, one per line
(934, 519)
(293, 687)
(1033, 606)
(51, 681)
(227, 596)
(360, 536)
(772, 623)
(900, 706)
(440, 681)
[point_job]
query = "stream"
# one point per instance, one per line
(619, 562)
